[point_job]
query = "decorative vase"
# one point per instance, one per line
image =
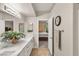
(14, 40)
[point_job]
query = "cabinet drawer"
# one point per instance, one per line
(22, 53)
(29, 43)
(27, 49)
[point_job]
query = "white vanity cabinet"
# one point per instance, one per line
(26, 51)
(22, 48)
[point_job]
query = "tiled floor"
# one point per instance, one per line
(40, 52)
(43, 44)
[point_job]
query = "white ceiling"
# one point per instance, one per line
(42, 8)
(32, 9)
(24, 8)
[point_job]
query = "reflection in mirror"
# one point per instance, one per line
(30, 27)
(21, 27)
(8, 25)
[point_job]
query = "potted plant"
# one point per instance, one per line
(12, 36)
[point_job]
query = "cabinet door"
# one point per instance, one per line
(22, 53)
(27, 49)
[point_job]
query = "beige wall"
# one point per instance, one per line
(65, 10)
(33, 20)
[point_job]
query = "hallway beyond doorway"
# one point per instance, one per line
(43, 44)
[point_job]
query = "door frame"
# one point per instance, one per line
(53, 36)
(38, 31)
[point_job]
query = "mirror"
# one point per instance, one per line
(21, 27)
(30, 27)
(8, 25)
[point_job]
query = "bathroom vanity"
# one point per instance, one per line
(22, 48)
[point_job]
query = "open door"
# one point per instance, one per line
(51, 36)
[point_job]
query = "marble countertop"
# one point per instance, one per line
(15, 49)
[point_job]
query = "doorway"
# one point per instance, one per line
(43, 34)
